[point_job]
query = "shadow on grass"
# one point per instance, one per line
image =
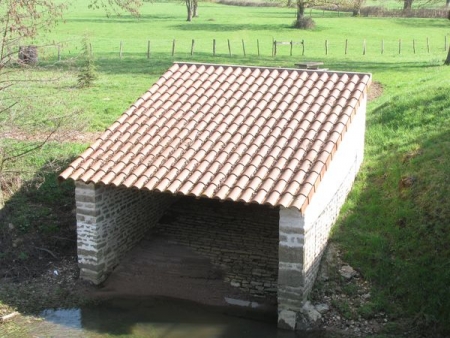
(137, 63)
(425, 22)
(395, 226)
(37, 235)
(38, 223)
(217, 27)
(124, 19)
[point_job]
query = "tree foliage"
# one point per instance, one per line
(110, 6)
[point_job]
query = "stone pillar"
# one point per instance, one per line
(303, 237)
(291, 274)
(89, 244)
(110, 221)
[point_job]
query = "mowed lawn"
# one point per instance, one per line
(395, 226)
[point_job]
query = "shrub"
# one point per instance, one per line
(87, 74)
(304, 23)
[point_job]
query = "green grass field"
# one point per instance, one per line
(122, 80)
(395, 226)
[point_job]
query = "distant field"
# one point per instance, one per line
(122, 80)
(162, 22)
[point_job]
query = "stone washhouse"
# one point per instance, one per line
(279, 148)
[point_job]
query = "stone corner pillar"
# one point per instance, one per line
(88, 199)
(291, 272)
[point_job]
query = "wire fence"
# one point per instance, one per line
(157, 48)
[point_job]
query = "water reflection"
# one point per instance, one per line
(152, 318)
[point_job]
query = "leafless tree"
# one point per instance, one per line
(192, 9)
(131, 6)
(302, 5)
(357, 4)
(20, 22)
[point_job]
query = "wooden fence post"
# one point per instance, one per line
(303, 47)
(290, 53)
(326, 47)
(120, 50)
(382, 46)
(399, 46)
(148, 49)
(364, 47)
(257, 45)
(428, 45)
(192, 47)
(346, 46)
(173, 47)
(229, 47)
(90, 49)
(274, 48)
(214, 47)
(243, 47)
(414, 46)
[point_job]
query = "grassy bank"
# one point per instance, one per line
(393, 228)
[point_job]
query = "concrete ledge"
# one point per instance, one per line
(287, 319)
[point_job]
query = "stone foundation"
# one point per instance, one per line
(242, 240)
(110, 221)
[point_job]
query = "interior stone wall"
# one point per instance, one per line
(110, 221)
(242, 240)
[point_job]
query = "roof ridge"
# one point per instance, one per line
(309, 71)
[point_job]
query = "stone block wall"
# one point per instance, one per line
(303, 237)
(242, 240)
(110, 221)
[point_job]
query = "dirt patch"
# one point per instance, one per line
(375, 90)
(60, 136)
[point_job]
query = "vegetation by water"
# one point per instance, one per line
(395, 226)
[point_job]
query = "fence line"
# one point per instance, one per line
(278, 47)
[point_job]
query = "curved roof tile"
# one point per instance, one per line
(249, 134)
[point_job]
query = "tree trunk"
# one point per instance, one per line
(2, 196)
(189, 8)
(289, 3)
(2, 199)
(300, 11)
(357, 12)
(447, 61)
(407, 4)
(195, 13)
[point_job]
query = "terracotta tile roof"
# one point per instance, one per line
(250, 134)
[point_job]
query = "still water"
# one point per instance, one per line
(152, 318)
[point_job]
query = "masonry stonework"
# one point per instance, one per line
(303, 237)
(110, 221)
(241, 240)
